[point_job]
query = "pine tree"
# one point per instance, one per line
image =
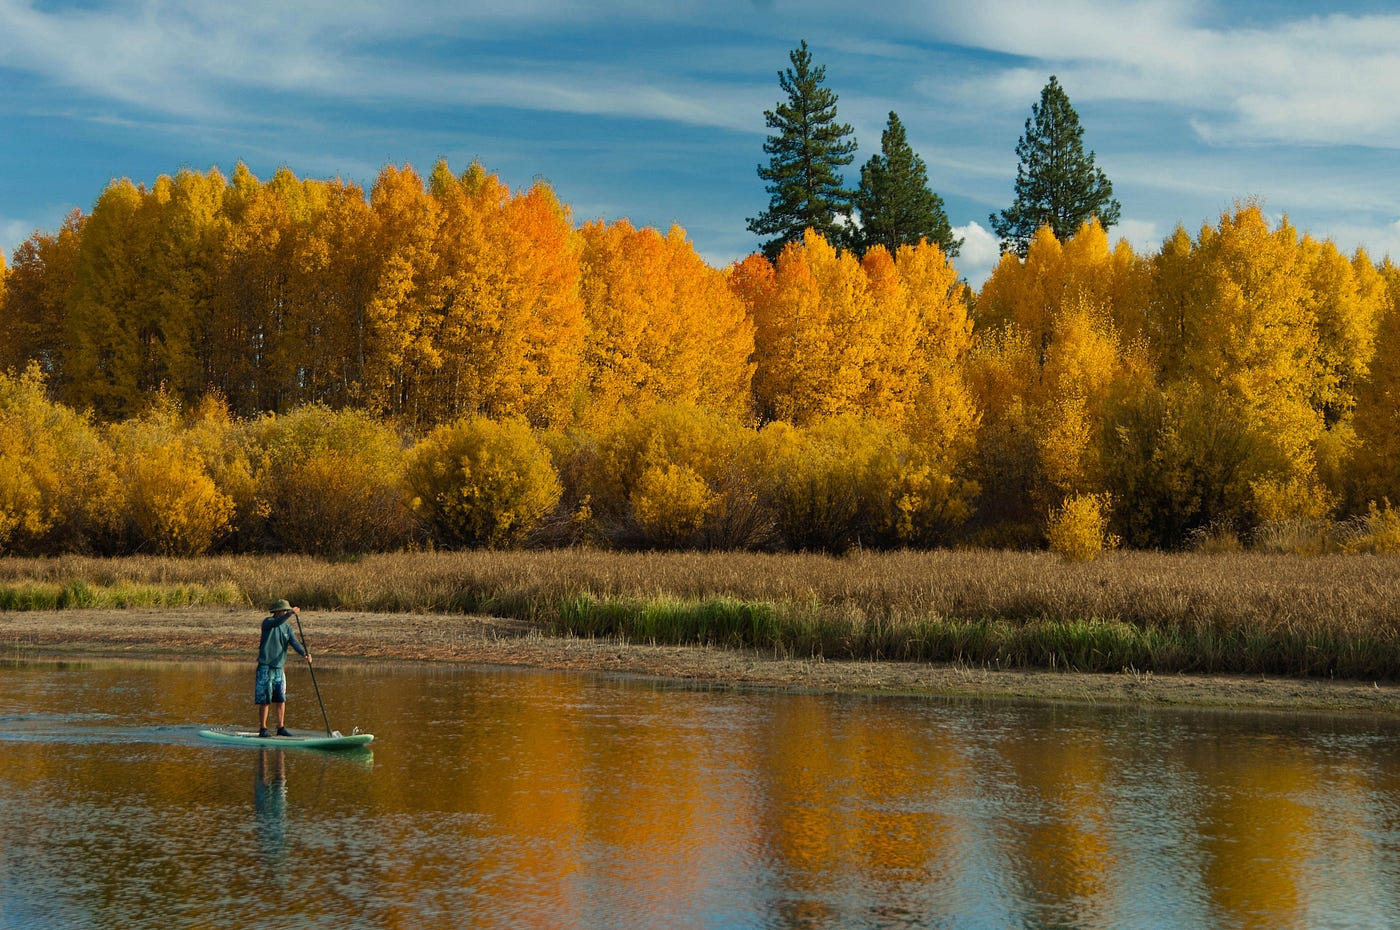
(1057, 183)
(808, 151)
(895, 203)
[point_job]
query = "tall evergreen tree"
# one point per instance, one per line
(895, 203)
(1057, 183)
(807, 152)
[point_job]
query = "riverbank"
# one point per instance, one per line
(225, 633)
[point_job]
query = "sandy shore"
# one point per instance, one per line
(231, 633)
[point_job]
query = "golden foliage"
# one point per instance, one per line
(58, 490)
(506, 316)
(662, 325)
(481, 483)
(327, 482)
(1078, 528)
(675, 475)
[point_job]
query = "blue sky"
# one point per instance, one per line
(653, 111)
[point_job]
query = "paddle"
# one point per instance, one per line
(312, 669)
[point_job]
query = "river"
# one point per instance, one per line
(501, 799)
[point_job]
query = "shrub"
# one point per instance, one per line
(1378, 531)
(672, 502)
(329, 482)
(58, 490)
(677, 476)
(170, 504)
(1078, 528)
(849, 481)
(476, 482)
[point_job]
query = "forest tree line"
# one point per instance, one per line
(216, 362)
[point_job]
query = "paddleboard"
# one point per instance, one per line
(251, 738)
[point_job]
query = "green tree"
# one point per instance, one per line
(807, 152)
(1057, 183)
(895, 204)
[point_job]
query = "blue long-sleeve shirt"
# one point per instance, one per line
(277, 635)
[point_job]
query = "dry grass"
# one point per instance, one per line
(1235, 612)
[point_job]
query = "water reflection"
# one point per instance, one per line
(270, 806)
(539, 800)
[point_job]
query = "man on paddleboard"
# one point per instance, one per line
(271, 684)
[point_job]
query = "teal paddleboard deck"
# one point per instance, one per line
(251, 738)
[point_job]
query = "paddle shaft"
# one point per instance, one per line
(312, 669)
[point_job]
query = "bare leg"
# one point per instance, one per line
(281, 715)
(262, 716)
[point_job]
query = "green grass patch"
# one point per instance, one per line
(74, 595)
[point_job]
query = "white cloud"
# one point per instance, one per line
(980, 252)
(1330, 80)
(1144, 236)
(1380, 241)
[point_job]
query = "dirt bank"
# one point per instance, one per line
(229, 633)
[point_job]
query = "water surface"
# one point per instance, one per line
(496, 798)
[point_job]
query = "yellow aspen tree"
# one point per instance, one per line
(942, 415)
(675, 474)
(171, 504)
(1087, 368)
(1170, 326)
(143, 287)
(1054, 275)
(102, 328)
(319, 355)
(892, 375)
(1239, 324)
(916, 383)
(58, 488)
(1003, 374)
(1045, 401)
(504, 302)
(1375, 466)
(1344, 299)
(479, 482)
(541, 288)
(391, 335)
(191, 254)
(34, 304)
(711, 350)
(1347, 298)
(662, 325)
(1259, 356)
(250, 306)
(812, 351)
(1026, 291)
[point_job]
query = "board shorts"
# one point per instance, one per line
(270, 687)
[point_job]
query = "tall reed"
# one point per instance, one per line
(1329, 615)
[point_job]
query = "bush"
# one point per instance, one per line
(1078, 528)
(1378, 531)
(849, 481)
(58, 490)
(170, 504)
(480, 483)
(672, 502)
(677, 476)
(329, 482)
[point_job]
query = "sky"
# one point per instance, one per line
(653, 111)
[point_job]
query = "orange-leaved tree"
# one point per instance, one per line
(503, 303)
(662, 326)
